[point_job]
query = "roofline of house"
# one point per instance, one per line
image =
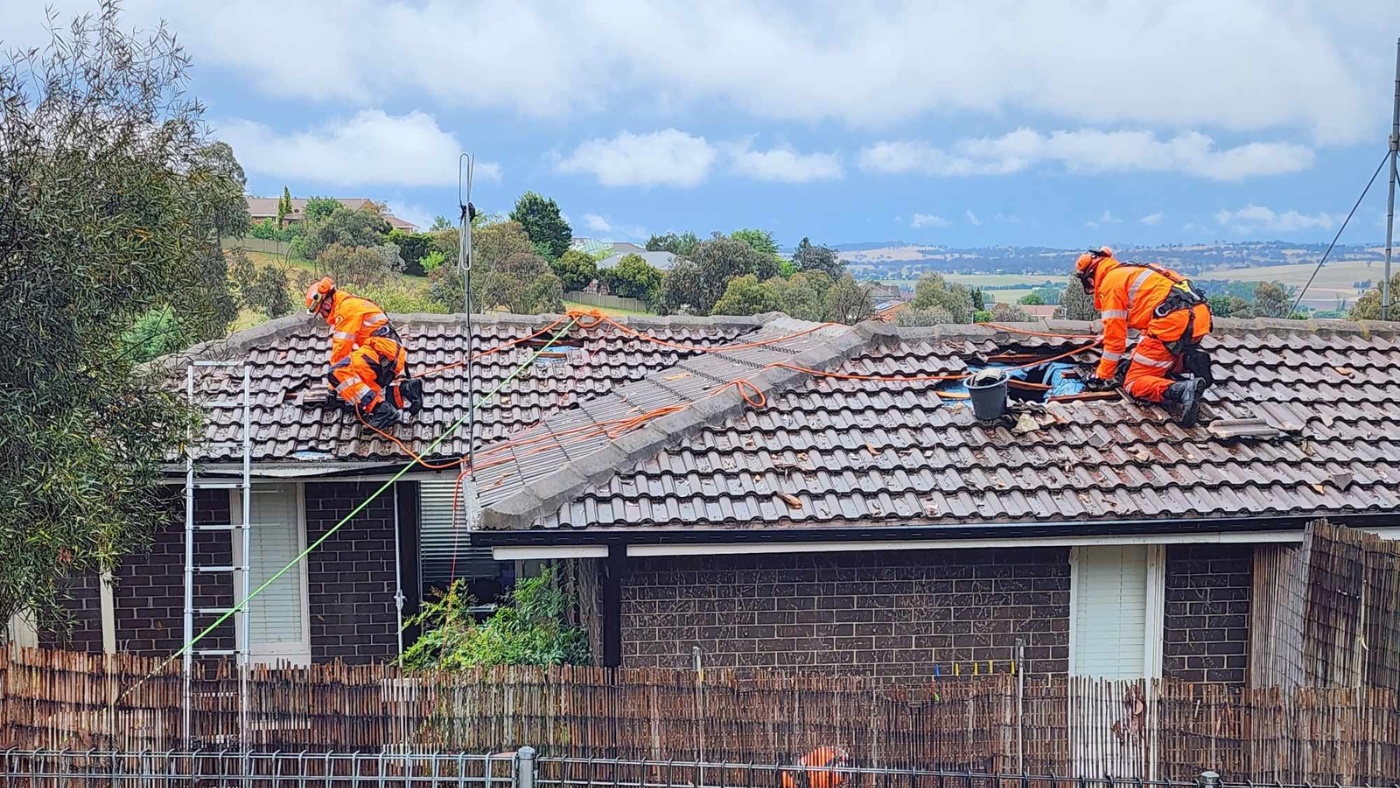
(543, 552)
(859, 532)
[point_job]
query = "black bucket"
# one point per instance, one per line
(987, 390)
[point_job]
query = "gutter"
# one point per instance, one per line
(859, 536)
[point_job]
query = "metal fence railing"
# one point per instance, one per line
(519, 769)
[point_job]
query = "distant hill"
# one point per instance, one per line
(907, 261)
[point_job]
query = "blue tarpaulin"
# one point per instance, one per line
(1055, 377)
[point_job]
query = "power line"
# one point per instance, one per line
(1301, 293)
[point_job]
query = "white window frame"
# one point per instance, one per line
(299, 653)
(1155, 613)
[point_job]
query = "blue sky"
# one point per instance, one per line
(1063, 123)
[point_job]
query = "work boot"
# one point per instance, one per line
(1188, 393)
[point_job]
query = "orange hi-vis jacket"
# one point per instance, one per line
(365, 351)
(1127, 296)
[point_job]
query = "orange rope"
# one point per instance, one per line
(492, 350)
(503, 452)
(925, 378)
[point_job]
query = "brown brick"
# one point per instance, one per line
(892, 615)
(1207, 612)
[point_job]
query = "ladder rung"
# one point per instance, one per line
(220, 527)
(219, 568)
(238, 444)
(219, 485)
(216, 652)
(223, 403)
(212, 611)
(216, 363)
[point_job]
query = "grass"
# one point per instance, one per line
(989, 280)
(247, 318)
(1333, 281)
(607, 310)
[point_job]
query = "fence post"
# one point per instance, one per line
(1209, 779)
(525, 767)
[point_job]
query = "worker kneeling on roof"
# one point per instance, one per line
(1171, 315)
(367, 357)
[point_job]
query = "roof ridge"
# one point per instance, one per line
(225, 347)
(1219, 325)
(705, 407)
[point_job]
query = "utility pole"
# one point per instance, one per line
(465, 165)
(1390, 203)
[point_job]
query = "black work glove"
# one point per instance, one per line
(383, 417)
(1096, 383)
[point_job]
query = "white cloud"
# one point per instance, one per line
(418, 214)
(1087, 151)
(1152, 219)
(1193, 63)
(783, 164)
(369, 148)
(972, 218)
(600, 224)
(661, 158)
(1257, 218)
(1106, 217)
(927, 220)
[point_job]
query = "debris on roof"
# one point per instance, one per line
(1255, 428)
(1303, 419)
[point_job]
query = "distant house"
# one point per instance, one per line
(265, 208)
(662, 261)
(1038, 311)
(607, 248)
(882, 292)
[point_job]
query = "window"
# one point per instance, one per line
(1116, 611)
(447, 551)
(278, 628)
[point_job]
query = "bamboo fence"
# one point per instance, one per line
(1010, 724)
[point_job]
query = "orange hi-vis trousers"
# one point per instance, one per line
(1152, 361)
(360, 378)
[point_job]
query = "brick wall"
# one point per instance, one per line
(1207, 613)
(350, 578)
(79, 596)
(886, 614)
(150, 590)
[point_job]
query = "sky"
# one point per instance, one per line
(1064, 123)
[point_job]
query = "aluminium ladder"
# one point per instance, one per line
(237, 570)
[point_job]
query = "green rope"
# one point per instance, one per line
(366, 502)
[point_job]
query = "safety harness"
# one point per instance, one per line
(1183, 295)
(404, 393)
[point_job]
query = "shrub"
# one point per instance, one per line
(531, 628)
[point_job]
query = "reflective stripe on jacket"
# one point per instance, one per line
(1126, 296)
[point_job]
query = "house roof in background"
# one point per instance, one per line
(1303, 421)
(662, 261)
(260, 208)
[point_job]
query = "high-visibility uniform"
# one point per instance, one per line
(366, 354)
(1136, 296)
(818, 769)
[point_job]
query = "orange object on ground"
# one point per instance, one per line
(818, 769)
(1156, 302)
